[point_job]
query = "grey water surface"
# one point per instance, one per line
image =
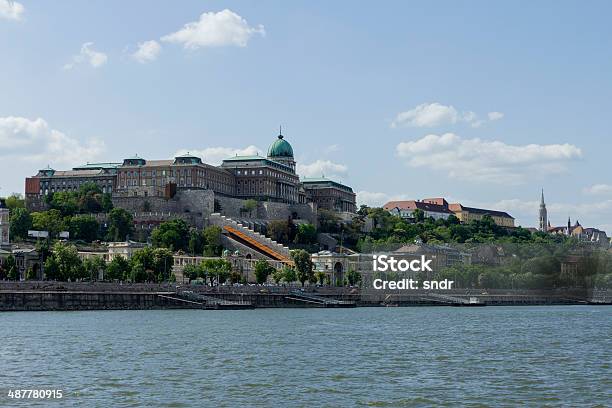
(381, 357)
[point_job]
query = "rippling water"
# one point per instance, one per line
(378, 357)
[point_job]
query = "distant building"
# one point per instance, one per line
(113, 250)
(48, 181)
(25, 259)
(594, 235)
(439, 208)
(137, 177)
(430, 207)
(330, 195)
(581, 233)
(467, 214)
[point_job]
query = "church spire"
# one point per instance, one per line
(543, 216)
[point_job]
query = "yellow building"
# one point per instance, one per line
(467, 214)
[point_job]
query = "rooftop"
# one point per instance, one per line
(493, 213)
(311, 181)
(413, 205)
(97, 166)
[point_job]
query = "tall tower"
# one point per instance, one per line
(543, 215)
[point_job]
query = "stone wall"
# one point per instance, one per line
(267, 210)
(192, 205)
(62, 300)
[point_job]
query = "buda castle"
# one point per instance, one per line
(266, 179)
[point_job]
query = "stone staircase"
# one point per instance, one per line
(246, 236)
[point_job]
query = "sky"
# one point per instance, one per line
(484, 103)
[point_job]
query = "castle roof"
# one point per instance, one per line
(280, 148)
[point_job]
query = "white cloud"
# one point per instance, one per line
(372, 199)
(427, 115)
(599, 189)
(321, 168)
(147, 51)
(495, 116)
(489, 161)
(215, 155)
(11, 10)
(88, 55)
(33, 140)
(436, 114)
(224, 28)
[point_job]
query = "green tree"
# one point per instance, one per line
(69, 264)
(83, 227)
(10, 265)
(278, 275)
(121, 224)
(51, 268)
(320, 277)
(303, 265)
(353, 277)
(217, 270)
(118, 269)
(289, 274)
(249, 206)
(212, 240)
(262, 270)
(157, 263)
(196, 242)
(31, 274)
(328, 221)
(163, 262)
(278, 230)
(66, 202)
(51, 221)
(93, 266)
(418, 215)
(306, 234)
(191, 272)
(14, 201)
(172, 234)
(138, 273)
(107, 202)
(21, 222)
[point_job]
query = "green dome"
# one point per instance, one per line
(280, 148)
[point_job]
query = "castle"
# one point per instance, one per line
(186, 184)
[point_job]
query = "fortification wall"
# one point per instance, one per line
(267, 210)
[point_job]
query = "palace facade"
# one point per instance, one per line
(271, 178)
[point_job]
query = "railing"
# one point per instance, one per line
(318, 299)
(260, 247)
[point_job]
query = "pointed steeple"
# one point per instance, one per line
(543, 216)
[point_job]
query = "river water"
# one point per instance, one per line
(381, 357)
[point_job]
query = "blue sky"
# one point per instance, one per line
(481, 103)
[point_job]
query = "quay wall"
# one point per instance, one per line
(59, 300)
(32, 296)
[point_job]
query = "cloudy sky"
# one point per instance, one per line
(481, 103)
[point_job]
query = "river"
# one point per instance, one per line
(382, 357)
